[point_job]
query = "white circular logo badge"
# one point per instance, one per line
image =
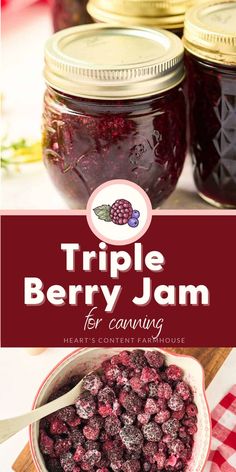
(119, 212)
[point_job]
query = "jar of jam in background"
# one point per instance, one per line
(66, 13)
(166, 14)
(210, 41)
(114, 109)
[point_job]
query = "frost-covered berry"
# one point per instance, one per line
(112, 425)
(175, 402)
(164, 390)
(162, 416)
(152, 432)
(67, 462)
(174, 372)
(92, 383)
(85, 406)
(155, 358)
(133, 222)
(131, 437)
(61, 446)
(191, 410)
(170, 426)
(131, 466)
(183, 390)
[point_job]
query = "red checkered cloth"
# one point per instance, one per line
(222, 457)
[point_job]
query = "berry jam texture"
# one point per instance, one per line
(212, 102)
(88, 142)
(137, 414)
(66, 13)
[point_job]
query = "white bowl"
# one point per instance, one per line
(83, 361)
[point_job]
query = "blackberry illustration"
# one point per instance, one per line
(120, 213)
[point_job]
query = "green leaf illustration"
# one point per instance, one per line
(103, 212)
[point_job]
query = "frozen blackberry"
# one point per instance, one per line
(85, 406)
(67, 462)
(131, 466)
(131, 437)
(61, 446)
(170, 426)
(112, 425)
(121, 211)
(132, 403)
(92, 383)
(152, 432)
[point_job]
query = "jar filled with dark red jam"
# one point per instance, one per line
(166, 14)
(67, 13)
(210, 42)
(114, 109)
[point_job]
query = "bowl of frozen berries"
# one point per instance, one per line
(140, 410)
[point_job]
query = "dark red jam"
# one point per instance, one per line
(88, 142)
(66, 13)
(212, 103)
(136, 415)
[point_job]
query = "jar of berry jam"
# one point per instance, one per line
(114, 109)
(167, 14)
(66, 13)
(210, 42)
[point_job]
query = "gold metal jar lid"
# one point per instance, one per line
(210, 31)
(110, 62)
(168, 14)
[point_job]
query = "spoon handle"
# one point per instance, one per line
(11, 426)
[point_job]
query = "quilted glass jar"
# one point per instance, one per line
(210, 41)
(114, 109)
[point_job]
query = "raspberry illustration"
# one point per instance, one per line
(120, 213)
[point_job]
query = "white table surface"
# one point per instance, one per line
(23, 38)
(21, 375)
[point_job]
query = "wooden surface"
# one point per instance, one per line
(211, 360)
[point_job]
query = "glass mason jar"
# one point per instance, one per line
(114, 109)
(210, 41)
(66, 13)
(166, 14)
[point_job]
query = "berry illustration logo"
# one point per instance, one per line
(120, 213)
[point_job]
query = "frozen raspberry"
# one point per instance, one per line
(189, 421)
(168, 438)
(76, 469)
(96, 422)
(105, 410)
(112, 425)
(91, 432)
(149, 375)
(79, 453)
(67, 414)
(123, 377)
(131, 466)
(92, 383)
(191, 410)
(176, 447)
(151, 406)
(152, 432)
(136, 384)
(116, 465)
(150, 448)
(143, 418)
(131, 437)
(112, 372)
(160, 459)
(155, 358)
(124, 358)
(58, 427)
(132, 403)
(175, 403)
(67, 462)
(75, 422)
(171, 426)
(146, 466)
(46, 444)
(162, 416)
(128, 418)
(121, 211)
(182, 432)
(90, 458)
(183, 390)
(62, 446)
(174, 372)
(192, 429)
(106, 395)
(179, 414)
(85, 406)
(164, 390)
(170, 462)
